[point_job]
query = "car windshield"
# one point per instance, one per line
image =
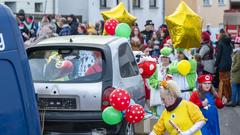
(64, 65)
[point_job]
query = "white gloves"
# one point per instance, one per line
(194, 128)
(152, 133)
(197, 126)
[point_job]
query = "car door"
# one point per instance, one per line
(130, 78)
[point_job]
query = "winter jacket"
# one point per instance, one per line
(74, 27)
(206, 53)
(235, 71)
(66, 30)
(224, 51)
(147, 35)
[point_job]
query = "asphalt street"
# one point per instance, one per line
(229, 118)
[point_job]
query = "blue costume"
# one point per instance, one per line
(211, 113)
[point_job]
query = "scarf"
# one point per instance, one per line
(175, 104)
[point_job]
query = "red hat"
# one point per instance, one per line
(205, 36)
(204, 78)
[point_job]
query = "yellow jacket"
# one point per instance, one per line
(184, 116)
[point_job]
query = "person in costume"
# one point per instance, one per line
(180, 117)
(186, 83)
(136, 39)
(57, 69)
(207, 99)
(158, 76)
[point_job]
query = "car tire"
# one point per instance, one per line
(127, 128)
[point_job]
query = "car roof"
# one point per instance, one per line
(87, 39)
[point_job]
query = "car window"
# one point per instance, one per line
(66, 65)
(127, 64)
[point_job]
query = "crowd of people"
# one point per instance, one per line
(34, 31)
(212, 82)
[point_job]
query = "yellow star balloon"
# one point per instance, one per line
(120, 13)
(185, 27)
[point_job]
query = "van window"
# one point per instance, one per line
(127, 64)
(64, 65)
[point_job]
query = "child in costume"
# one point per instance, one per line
(158, 76)
(186, 83)
(180, 117)
(207, 99)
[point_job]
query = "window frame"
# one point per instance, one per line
(40, 7)
(206, 3)
(135, 5)
(130, 61)
(13, 3)
(221, 2)
(103, 3)
(153, 6)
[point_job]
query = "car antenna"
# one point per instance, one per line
(71, 40)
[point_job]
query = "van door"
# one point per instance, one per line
(18, 113)
(130, 77)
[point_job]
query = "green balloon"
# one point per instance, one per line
(111, 116)
(123, 30)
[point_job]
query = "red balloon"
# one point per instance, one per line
(120, 99)
(110, 26)
(147, 68)
(134, 113)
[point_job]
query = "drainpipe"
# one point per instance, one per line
(129, 6)
(45, 7)
(163, 12)
(54, 7)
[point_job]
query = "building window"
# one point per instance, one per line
(153, 3)
(38, 7)
(103, 3)
(136, 3)
(11, 5)
(206, 2)
(221, 2)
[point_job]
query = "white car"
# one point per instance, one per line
(73, 77)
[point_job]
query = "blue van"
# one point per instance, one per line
(18, 113)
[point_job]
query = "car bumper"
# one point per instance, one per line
(80, 122)
(73, 116)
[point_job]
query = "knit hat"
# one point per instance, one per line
(204, 78)
(185, 53)
(166, 51)
(205, 36)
